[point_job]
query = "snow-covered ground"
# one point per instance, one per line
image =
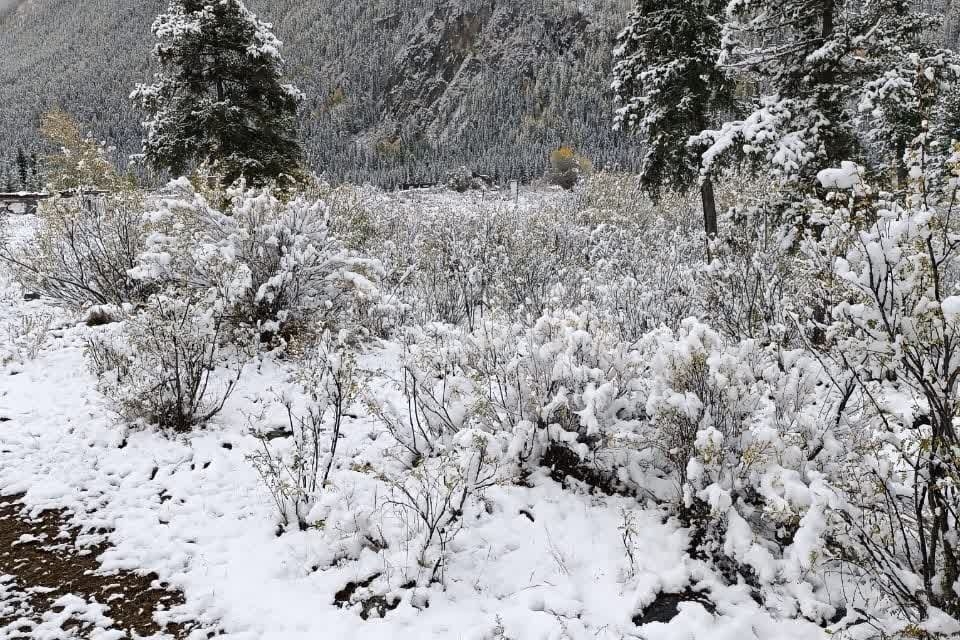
(537, 561)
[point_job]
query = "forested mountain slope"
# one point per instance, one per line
(397, 90)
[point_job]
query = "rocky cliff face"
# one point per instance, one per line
(458, 51)
(398, 90)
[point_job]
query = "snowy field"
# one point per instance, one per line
(530, 562)
(715, 399)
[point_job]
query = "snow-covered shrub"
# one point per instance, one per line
(893, 335)
(748, 433)
(462, 180)
(614, 191)
(25, 337)
(644, 275)
(456, 265)
(545, 264)
(83, 250)
(434, 397)
(575, 377)
(840, 457)
(165, 364)
(729, 433)
(292, 476)
(460, 260)
(273, 266)
(564, 388)
(722, 411)
(434, 497)
(352, 216)
(299, 272)
(296, 472)
(756, 281)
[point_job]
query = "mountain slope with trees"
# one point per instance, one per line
(396, 91)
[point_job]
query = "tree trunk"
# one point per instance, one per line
(709, 211)
(902, 175)
(826, 28)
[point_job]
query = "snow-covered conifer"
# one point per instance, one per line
(669, 87)
(812, 63)
(220, 98)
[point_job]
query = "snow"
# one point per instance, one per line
(845, 178)
(538, 561)
(951, 307)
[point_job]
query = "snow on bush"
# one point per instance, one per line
(893, 337)
(25, 337)
(271, 266)
(165, 365)
(83, 250)
(457, 260)
(791, 406)
(296, 475)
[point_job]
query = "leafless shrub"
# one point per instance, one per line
(159, 366)
(82, 251)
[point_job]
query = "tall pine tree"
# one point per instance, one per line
(35, 181)
(914, 84)
(669, 87)
(219, 99)
(22, 169)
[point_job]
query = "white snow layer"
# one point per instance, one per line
(846, 177)
(195, 512)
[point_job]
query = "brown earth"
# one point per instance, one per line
(40, 561)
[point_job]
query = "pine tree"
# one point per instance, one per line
(913, 78)
(669, 88)
(219, 99)
(35, 181)
(22, 168)
(813, 60)
(8, 185)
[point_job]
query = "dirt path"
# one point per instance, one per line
(50, 587)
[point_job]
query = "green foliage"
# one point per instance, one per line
(81, 162)
(669, 85)
(220, 99)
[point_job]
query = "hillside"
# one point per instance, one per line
(397, 90)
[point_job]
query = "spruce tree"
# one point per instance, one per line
(669, 87)
(8, 185)
(219, 99)
(913, 89)
(35, 181)
(22, 168)
(812, 61)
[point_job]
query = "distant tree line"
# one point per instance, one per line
(530, 78)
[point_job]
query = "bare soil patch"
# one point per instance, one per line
(41, 562)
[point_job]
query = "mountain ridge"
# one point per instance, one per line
(397, 91)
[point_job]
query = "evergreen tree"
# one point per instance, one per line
(8, 185)
(812, 60)
(219, 99)
(35, 181)
(913, 77)
(669, 88)
(22, 168)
